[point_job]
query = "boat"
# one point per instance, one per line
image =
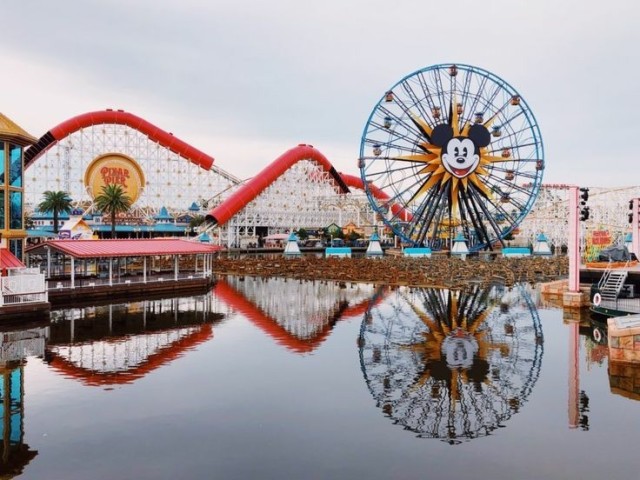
(615, 295)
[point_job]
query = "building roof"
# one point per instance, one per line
(125, 248)
(41, 233)
(48, 215)
(8, 128)
(163, 214)
(9, 260)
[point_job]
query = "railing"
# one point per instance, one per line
(627, 305)
(23, 286)
(131, 279)
(22, 298)
(23, 271)
(604, 277)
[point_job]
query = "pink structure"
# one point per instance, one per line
(635, 203)
(574, 241)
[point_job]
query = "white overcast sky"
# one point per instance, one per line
(246, 80)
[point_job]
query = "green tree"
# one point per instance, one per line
(303, 234)
(353, 236)
(113, 200)
(196, 221)
(56, 202)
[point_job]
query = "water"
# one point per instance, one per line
(267, 378)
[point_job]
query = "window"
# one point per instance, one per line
(2, 163)
(15, 210)
(2, 216)
(15, 246)
(15, 166)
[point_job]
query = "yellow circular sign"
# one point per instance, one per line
(118, 169)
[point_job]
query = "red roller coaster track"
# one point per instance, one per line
(121, 117)
(238, 200)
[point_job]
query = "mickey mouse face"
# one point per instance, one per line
(459, 157)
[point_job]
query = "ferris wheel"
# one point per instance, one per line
(454, 149)
(452, 365)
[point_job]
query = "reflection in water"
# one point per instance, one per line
(118, 344)
(451, 364)
(297, 314)
(15, 346)
(624, 379)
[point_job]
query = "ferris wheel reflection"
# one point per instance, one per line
(452, 365)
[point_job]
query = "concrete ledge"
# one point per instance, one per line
(573, 299)
(417, 252)
(516, 252)
(337, 252)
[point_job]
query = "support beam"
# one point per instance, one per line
(175, 267)
(573, 246)
(634, 227)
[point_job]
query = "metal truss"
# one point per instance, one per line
(171, 181)
(305, 196)
(608, 210)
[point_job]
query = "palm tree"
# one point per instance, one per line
(56, 202)
(112, 200)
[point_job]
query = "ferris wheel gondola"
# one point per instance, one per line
(456, 149)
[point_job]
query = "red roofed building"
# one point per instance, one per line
(95, 269)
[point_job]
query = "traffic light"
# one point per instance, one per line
(632, 213)
(584, 195)
(584, 210)
(584, 214)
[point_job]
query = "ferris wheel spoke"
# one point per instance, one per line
(506, 183)
(429, 91)
(440, 91)
(476, 97)
(431, 213)
(489, 218)
(409, 126)
(475, 218)
(415, 102)
(508, 120)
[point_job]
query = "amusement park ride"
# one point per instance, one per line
(457, 149)
(449, 150)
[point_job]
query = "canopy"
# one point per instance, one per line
(614, 254)
(9, 260)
